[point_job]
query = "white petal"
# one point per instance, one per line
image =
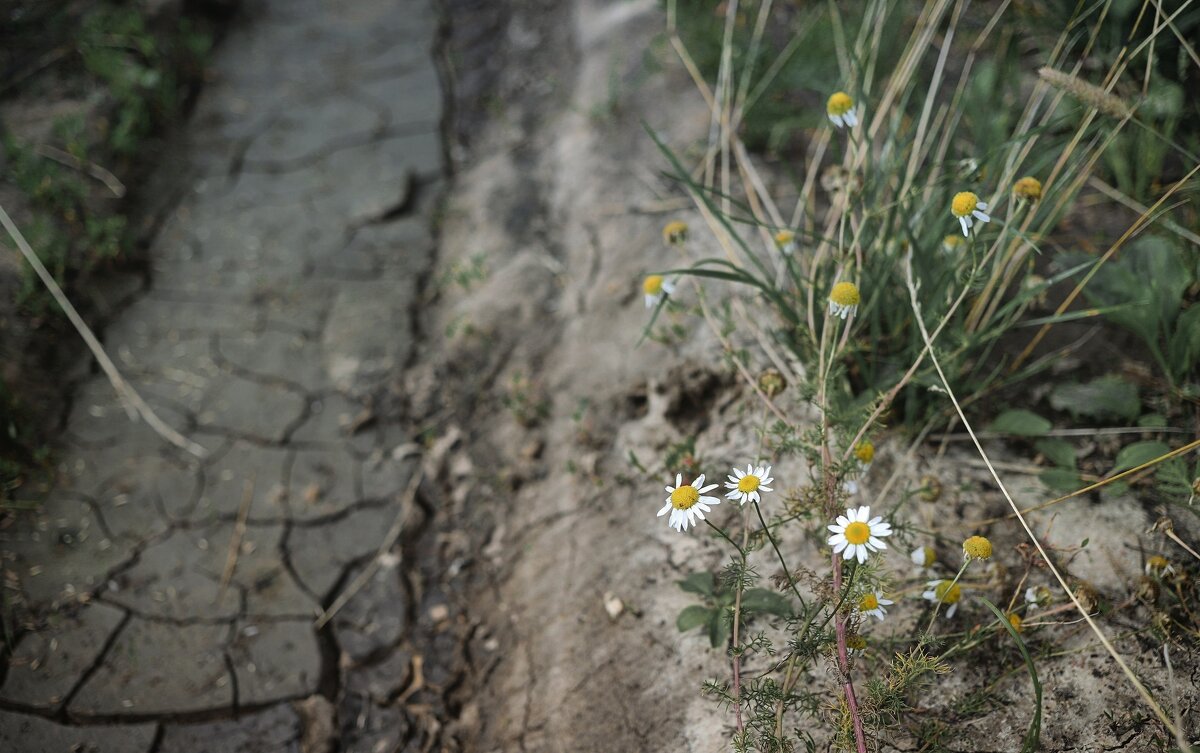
(981, 216)
(843, 521)
(862, 554)
(874, 521)
(849, 552)
(739, 473)
(966, 227)
(837, 119)
(698, 481)
(678, 480)
(766, 489)
(876, 543)
(980, 205)
(663, 511)
(733, 494)
(952, 610)
(710, 500)
(708, 488)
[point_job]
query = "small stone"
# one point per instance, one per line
(439, 613)
(613, 605)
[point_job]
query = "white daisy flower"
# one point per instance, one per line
(945, 591)
(687, 502)
(850, 486)
(840, 109)
(785, 240)
(844, 299)
(923, 557)
(1159, 566)
(965, 206)
(1037, 596)
(864, 453)
(655, 288)
(873, 604)
(746, 486)
(854, 536)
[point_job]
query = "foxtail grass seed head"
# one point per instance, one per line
(1015, 620)
(947, 592)
(747, 486)
(953, 244)
(923, 557)
(1088, 94)
(1028, 188)
(977, 548)
(840, 109)
(967, 207)
(856, 534)
(771, 382)
(864, 453)
(844, 299)
(687, 503)
(1037, 596)
(1159, 566)
(675, 232)
(785, 241)
(655, 288)
(873, 603)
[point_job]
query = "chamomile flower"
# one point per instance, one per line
(977, 548)
(1159, 566)
(843, 299)
(1028, 188)
(785, 240)
(945, 591)
(952, 243)
(675, 232)
(855, 645)
(864, 453)
(1015, 620)
(687, 502)
(873, 604)
(1037, 596)
(655, 288)
(965, 206)
(747, 485)
(854, 536)
(923, 557)
(840, 109)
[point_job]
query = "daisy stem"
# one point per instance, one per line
(782, 563)
(725, 536)
(839, 627)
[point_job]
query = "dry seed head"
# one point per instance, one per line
(771, 382)
(1088, 94)
(931, 489)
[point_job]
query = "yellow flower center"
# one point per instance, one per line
(1157, 562)
(952, 242)
(784, 237)
(928, 556)
(675, 231)
(856, 642)
(1029, 188)
(684, 497)
(858, 533)
(653, 285)
(1014, 619)
(748, 483)
(977, 548)
(865, 452)
(844, 294)
(868, 602)
(948, 592)
(839, 104)
(964, 203)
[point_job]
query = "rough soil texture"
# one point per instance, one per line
(302, 326)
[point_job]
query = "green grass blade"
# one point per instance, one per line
(1030, 744)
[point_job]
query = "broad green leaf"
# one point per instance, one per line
(1020, 422)
(1107, 397)
(718, 628)
(1057, 451)
(1131, 456)
(698, 583)
(766, 602)
(1156, 420)
(1183, 347)
(692, 617)
(1061, 479)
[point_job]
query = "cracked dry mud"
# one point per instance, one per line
(166, 602)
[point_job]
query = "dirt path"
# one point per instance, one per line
(166, 603)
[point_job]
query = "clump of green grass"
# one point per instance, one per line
(926, 230)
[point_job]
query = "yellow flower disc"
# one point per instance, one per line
(839, 103)
(844, 294)
(1028, 188)
(977, 548)
(652, 285)
(964, 203)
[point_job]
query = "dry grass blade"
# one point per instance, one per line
(134, 403)
(1112, 651)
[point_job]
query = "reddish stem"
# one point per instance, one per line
(839, 624)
